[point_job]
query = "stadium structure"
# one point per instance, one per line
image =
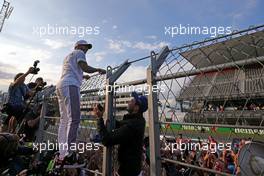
(232, 72)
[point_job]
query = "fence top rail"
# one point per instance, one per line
(83, 118)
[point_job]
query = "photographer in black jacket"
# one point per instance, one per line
(129, 134)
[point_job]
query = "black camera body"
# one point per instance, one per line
(36, 69)
(40, 87)
(44, 84)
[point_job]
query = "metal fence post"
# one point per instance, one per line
(153, 113)
(39, 136)
(111, 78)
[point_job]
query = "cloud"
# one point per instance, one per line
(116, 46)
(154, 37)
(6, 75)
(5, 65)
(119, 46)
(149, 46)
(56, 44)
(7, 71)
(22, 54)
(251, 3)
(133, 73)
(99, 56)
(114, 27)
(104, 21)
(12, 53)
(4, 84)
(11, 64)
(244, 10)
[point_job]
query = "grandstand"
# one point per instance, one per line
(233, 71)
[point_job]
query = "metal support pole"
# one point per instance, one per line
(109, 99)
(153, 114)
(40, 133)
(107, 160)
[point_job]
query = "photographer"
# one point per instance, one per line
(129, 135)
(37, 85)
(18, 92)
(32, 117)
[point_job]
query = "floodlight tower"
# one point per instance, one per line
(5, 12)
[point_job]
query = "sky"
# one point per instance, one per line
(118, 30)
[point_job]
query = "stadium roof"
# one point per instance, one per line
(234, 49)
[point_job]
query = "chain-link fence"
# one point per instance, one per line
(49, 124)
(206, 117)
(212, 105)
